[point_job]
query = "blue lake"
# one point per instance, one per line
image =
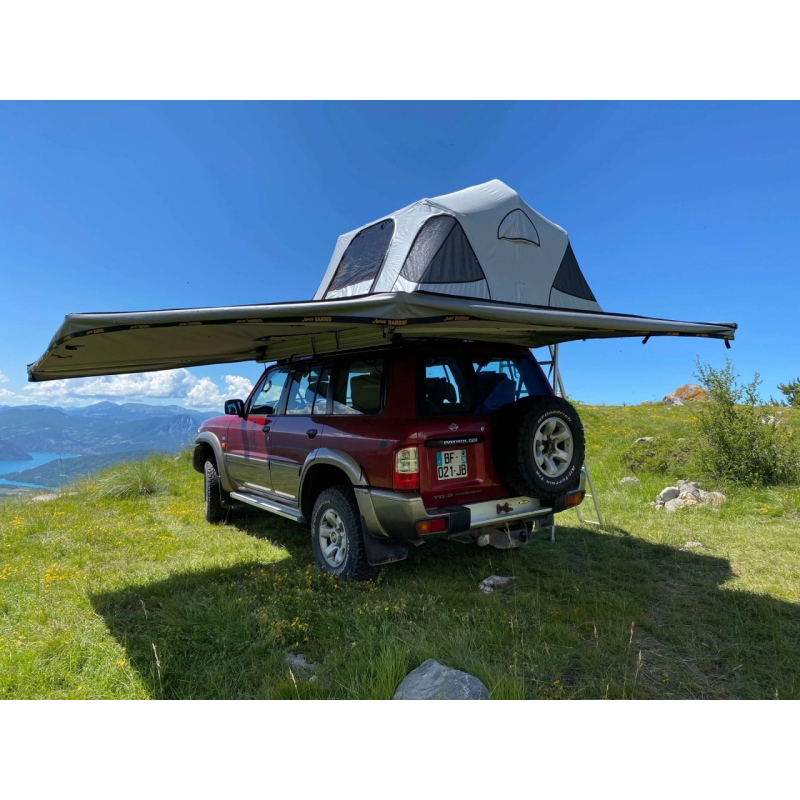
(18, 466)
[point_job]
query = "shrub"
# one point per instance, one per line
(131, 479)
(741, 443)
(791, 393)
(662, 455)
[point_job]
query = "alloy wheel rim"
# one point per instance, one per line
(553, 447)
(332, 538)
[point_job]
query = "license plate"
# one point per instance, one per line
(451, 464)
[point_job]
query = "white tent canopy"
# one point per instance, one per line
(483, 242)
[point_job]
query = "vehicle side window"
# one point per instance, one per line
(268, 396)
(445, 389)
(358, 387)
(306, 381)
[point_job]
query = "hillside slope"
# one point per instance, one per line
(142, 598)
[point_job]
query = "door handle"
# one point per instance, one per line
(265, 429)
(312, 432)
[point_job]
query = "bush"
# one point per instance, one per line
(791, 393)
(741, 443)
(662, 455)
(131, 479)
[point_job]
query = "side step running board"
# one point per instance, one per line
(269, 505)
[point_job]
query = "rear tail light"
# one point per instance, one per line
(436, 525)
(406, 469)
(574, 499)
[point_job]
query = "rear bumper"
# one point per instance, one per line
(395, 514)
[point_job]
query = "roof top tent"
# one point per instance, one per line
(477, 264)
(483, 242)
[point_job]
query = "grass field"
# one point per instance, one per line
(140, 598)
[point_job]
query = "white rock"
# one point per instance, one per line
(43, 498)
(715, 498)
(690, 545)
(488, 585)
(689, 499)
(672, 400)
(631, 481)
(299, 662)
(643, 439)
(674, 505)
(670, 493)
(434, 681)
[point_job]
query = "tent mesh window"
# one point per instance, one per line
(516, 226)
(364, 255)
(569, 278)
(441, 253)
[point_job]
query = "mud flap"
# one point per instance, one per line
(380, 550)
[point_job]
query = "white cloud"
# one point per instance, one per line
(3, 378)
(175, 384)
(6, 394)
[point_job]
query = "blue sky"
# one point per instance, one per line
(682, 210)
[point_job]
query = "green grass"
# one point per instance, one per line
(139, 597)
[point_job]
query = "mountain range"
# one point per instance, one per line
(98, 429)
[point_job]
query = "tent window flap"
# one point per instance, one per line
(364, 255)
(569, 278)
(441, 253)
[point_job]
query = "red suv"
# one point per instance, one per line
(382, 447)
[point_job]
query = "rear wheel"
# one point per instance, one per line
(539, 447)
(336, 536)
(215, 511)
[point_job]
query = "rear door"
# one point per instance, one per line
(453, 439)
(299, 429)
(456, 393)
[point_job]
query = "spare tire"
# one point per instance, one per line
(538, 446)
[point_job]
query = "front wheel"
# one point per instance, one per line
(212, 490)
(336, 536)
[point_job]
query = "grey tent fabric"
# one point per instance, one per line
(114, 343)
(500, 240)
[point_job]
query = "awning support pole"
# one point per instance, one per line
(554, 376)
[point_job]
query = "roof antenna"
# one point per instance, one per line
(644, 341)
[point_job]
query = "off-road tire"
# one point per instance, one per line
(213, 491)
(342, 501)
(514, 428)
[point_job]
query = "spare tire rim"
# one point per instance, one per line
(332, 538)
(553, 447)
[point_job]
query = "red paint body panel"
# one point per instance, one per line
(372, 440)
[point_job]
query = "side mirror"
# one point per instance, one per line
(234, 408)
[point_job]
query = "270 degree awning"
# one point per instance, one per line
(140, 341)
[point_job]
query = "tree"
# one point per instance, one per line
(791, 391)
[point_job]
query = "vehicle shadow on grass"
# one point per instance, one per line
(598, 614)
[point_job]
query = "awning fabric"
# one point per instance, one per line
(140, 341)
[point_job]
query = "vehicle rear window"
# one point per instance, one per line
(358, 387)
(461, 384)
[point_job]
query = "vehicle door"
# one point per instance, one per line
(247, 449)
(298, 430)
(454, 445)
